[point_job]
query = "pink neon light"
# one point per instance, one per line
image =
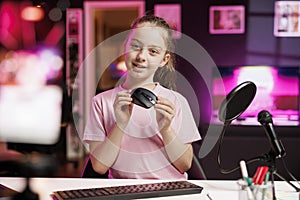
(55, 34)
(9, 25)
(28, 36)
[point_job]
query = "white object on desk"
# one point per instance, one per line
(30, 115)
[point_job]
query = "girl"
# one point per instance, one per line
(130, 141)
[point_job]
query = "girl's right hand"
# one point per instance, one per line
(123, 108)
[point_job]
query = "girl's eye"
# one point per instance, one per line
(135, 47)
(154, 51)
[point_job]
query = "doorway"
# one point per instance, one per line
(103, 20)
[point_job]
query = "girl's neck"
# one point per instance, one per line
(131, 85)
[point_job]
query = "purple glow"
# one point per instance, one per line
(30, 68)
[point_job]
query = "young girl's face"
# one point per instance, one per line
(145, 51)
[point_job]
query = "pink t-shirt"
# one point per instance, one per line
(142, 154)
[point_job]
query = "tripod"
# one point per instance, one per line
(270, 159)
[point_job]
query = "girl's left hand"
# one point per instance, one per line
(165, 112)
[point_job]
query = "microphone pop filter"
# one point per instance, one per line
(237, 101)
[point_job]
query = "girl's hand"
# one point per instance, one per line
(123, 108)
(165, 113)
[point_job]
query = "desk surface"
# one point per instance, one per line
(216, 189)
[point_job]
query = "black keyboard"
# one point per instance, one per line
(127, 192)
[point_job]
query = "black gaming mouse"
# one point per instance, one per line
(143, 97)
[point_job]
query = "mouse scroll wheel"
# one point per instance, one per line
(149, 98)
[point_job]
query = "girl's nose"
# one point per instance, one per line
(141, 56)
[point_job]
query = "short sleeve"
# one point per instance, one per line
(187, 130)
(94, 129)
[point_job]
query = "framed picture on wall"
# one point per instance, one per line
(287, 19)
(172, 14)
(227, 19)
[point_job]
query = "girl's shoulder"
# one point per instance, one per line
(163, 91)
(107, 94)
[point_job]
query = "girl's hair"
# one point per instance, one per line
(165, 75)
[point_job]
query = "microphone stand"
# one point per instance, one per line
(270, 158)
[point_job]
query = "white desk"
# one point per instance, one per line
(217, 190)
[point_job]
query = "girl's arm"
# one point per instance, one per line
(180, 154)
(103, 154)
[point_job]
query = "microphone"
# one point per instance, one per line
(265, 118)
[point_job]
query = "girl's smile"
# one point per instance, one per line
(137, 65)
